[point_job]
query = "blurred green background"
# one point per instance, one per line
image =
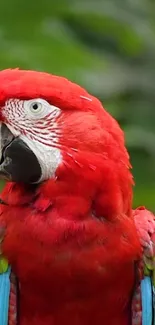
(107, 46)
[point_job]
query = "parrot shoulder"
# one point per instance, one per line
(145, 225)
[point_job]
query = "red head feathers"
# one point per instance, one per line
(90, 140)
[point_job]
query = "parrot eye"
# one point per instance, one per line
(36, 107)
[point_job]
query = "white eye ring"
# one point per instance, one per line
(36, 107)
(39, 108)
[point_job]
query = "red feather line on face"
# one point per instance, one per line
(44, 130)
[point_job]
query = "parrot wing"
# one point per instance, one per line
(144, 295)
(145, 224)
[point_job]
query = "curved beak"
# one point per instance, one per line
(18, 163)
(6, 137)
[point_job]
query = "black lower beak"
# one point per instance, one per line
(18, 162)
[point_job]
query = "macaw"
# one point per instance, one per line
(67, 227)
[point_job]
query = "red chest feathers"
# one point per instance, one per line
(71, 272)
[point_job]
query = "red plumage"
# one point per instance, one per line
(72, 240)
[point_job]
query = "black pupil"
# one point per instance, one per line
(35, 106)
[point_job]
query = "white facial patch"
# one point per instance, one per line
(35, 122)
(49, 158)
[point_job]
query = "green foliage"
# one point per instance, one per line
(105, 45)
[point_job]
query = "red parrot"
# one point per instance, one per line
(69, 232)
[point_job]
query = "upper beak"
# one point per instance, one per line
(6, 138)
(18, 163)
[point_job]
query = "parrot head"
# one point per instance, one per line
(52, 129)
